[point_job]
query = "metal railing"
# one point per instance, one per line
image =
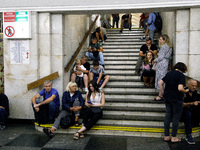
(70, 63)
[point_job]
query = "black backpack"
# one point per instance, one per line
(67, 121)
(158, 22)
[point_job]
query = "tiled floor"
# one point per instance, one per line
(24, 137)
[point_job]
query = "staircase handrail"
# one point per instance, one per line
(68, 66)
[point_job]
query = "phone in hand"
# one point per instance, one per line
(89, 102)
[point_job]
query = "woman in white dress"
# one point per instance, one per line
(162, 62)
(94, 101)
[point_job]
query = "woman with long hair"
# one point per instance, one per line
(162, 62)
(148, 75)
(173, 94)
(94, 101)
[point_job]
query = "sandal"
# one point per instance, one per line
(76, 137)
(161, 98)
(76, 123)
(177, 140)
(48, 132)
(82, 135)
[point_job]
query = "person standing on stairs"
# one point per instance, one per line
(173, 94)
(126, 22)
(162, 62)
(95, 51)
(142, 54)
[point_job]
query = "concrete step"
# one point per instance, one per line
(125, 72)
(118, 62)
(122, 46)
(124, 58)
(135, 54)
(105, 50)
(124, 89)
(122, 43)
(124, 40)
(134, 115)
(110, 66)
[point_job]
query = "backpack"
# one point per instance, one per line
(158, 22)
(67, 121)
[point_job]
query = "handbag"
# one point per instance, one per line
(96, 109)
(154, 67)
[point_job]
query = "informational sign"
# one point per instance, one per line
(17, 25)
(19, 52)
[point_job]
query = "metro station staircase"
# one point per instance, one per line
(129, 109)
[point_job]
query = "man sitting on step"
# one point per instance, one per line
(97, 73)
(95, 51)
(142, 53)
(191, 110)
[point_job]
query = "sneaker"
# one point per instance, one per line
(86, 90)
(142, 38)
(120, 31)
(190, 139)
(103, 42)
(100, 89)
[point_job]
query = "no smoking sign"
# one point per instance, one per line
(9, 31)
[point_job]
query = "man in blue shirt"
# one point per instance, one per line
(151, 26)
(51, 97)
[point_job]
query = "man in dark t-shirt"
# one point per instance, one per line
(126, 22)
(86, 64)
(4, 110)
(191, 110)
(142, 54)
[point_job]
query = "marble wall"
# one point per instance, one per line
(55, 37)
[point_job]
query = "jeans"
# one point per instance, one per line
(90, 118)
(173, 113)
(3, 115)
(187, 116)
(53, 109)
(99, 57)
(115, 20)
(151, 35)
(138, 64)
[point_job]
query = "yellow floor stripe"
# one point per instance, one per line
(129, 129)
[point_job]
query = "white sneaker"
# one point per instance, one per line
(100, 89)
(103, 42)
(86, 90)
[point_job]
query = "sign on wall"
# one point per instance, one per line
(19, 52)
(17, 25)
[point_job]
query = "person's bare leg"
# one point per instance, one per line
(85, 80)
(91, 76)
(73, 77)
(122, 25)
(106, 79)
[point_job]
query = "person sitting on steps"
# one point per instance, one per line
(72, 103)
(95, 99)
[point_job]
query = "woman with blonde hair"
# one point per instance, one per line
(162, 62)
(72, 103)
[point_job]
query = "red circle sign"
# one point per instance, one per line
(9, 31)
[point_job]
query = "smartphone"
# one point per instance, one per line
(89, 102)
(185, 87)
